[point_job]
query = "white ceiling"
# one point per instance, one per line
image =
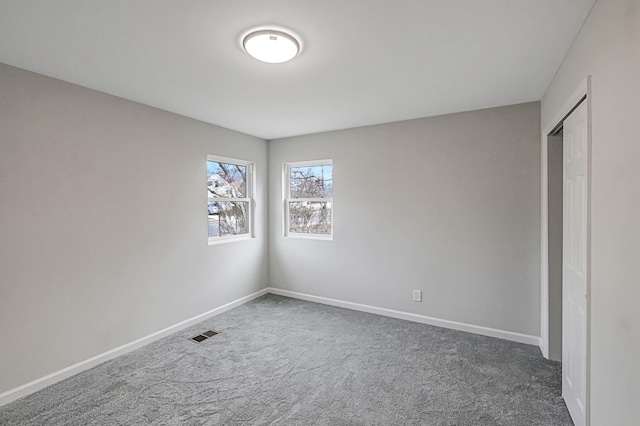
(364, 61)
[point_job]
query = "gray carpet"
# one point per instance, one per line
(283, 361)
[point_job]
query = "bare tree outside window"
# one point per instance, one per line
(228, 196)
(310, 198)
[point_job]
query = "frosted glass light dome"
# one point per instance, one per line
(271, 46)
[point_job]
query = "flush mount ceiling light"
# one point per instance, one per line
(271, 46)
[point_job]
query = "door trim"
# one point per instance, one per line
(582, 91)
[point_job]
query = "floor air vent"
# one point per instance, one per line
(204, 336)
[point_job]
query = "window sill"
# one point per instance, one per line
(233, 239)
(310, 237)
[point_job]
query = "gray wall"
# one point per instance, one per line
(103, 230)
(448, 205)
(608, 48)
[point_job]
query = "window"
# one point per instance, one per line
(308, 210)
(229, 199)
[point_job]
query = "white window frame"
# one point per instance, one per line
(286, 192)
(250, 185)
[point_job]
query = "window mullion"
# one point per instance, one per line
(229, 200)
(309, 200)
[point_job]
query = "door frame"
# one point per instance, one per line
(583, 91)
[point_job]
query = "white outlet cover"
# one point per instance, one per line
(417, 295)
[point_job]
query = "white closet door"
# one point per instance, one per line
(574, 268)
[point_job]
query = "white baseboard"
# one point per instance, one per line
(470, 328)
(43, 382)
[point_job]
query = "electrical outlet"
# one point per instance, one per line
(417, 295)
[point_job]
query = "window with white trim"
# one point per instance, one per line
(308, 199)
(229, 199)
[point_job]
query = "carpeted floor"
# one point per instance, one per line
(283, 361)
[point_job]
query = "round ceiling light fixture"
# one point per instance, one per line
(271, 45)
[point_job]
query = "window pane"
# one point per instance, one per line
(228, 218)
(310, 217)
(312, 181)
(226, 180)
